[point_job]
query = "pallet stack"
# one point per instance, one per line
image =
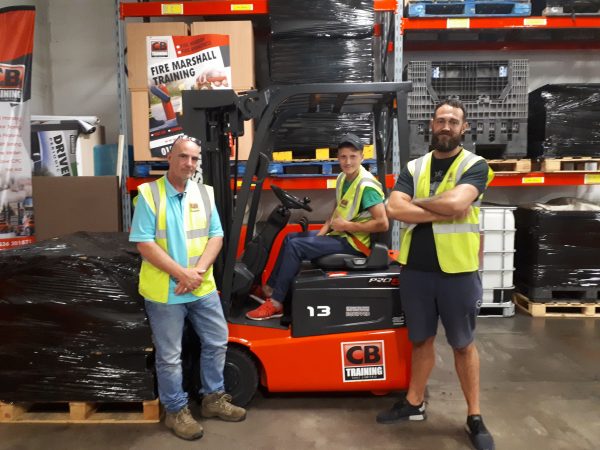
(564, 123)
(321, 41)
(557, 265)
(73, 331)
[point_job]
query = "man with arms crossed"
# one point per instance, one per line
(437, 198)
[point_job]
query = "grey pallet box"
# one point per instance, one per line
(495, 94)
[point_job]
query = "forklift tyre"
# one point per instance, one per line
(241, 375)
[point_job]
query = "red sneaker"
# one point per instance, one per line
(265, 311)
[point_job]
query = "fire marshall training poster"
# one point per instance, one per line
(177, 63)
(16, 207)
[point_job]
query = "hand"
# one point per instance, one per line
(189, 281)
(212, 78)
(339, 224)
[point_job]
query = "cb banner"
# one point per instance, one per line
(16, 206)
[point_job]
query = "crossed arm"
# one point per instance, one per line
(187, 279)
(448, 205)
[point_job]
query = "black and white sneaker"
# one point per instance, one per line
(478, 433)
(402, 410)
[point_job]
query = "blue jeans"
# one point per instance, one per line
(298, 247)
(166, 321)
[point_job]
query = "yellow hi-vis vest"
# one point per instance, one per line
(348, 205)
(154, 283)
(456, 241)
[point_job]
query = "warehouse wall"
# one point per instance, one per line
(75, 60)
(83, 52)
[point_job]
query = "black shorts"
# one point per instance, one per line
(455, 299)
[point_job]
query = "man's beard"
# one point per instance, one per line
(445, 146)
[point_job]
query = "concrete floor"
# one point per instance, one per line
(540, 390)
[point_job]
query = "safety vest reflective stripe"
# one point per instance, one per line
(206, 202)
(201, 232)
(460, 170)
(364, 215)
(351, 212)
(447, 228)
(456, 242)
(160, 234)
(356, 203)
(417, 173)
(197, 207)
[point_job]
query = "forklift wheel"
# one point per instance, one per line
(241, 375)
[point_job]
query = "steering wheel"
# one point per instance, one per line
(290, 201)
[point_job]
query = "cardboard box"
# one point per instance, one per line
(241, 48)
(140, 128)
(64, 205)
(137, 66)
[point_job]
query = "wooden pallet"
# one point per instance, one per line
(497, 310)
(510, 165)
(571, 164)
(556, 309)
(80, 412)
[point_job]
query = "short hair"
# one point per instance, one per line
(454, 103)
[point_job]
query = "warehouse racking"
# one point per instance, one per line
(409, 34)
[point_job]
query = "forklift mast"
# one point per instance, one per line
(212, 116)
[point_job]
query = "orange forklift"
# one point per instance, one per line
(343, 329)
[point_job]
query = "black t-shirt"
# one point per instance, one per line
(422, 254)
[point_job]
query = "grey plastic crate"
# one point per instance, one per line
(494, 93)
(488, 138)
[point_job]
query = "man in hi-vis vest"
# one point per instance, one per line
(359, 211)
(179, 235)
(437, 199)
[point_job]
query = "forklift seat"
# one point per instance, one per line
(377, 259)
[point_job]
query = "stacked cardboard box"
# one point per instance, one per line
(242, 65)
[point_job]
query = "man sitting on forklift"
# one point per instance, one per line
(359, 212)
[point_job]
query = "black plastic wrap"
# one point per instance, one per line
(72, 324)
(321, 60)
(322, 130)
(558, 248)
(564, 120)
(566, 6)
(321, 41)
(348, 18)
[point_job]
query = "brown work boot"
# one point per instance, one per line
(184, 425)
(219, 404)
